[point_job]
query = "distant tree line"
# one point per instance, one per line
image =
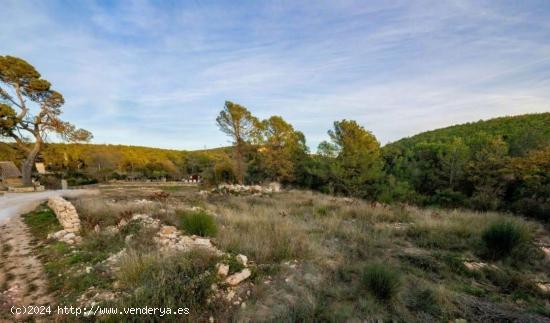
(499, 164)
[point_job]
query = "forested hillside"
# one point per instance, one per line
(498, 164)
(522, 133)
(502, 163)
(88, 163)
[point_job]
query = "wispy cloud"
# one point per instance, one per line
(150, 73)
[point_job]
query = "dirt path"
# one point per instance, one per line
(22, 279)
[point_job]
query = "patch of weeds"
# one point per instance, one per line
(182, 280)
(473, 290)
(321, 210)
(511, 282)
(266, 240)
(382, 281)
(234, 265)
(423, 299)
(501, 238)
(97, 247)
(131, 227)
(142, 239)
(199, 223)
(440, 237)
(423, 262)
(41, 222)
(454, 263)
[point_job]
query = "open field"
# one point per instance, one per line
(312, 257)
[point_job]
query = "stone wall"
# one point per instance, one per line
(65, 213)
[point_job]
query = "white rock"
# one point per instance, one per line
(223, 270)
(237, 278)
(242, 259)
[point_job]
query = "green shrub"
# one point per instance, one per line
(501, 238)
(199, 223)
(381, 280)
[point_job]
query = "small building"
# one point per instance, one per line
(10, 175)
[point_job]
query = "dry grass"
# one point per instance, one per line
(334, 241)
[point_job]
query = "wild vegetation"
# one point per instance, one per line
(316, 257)
(499, 164)
(423, 229)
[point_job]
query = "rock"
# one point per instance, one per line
(544, 286)
(275, 187)
(223, 270)
(242, 259)
(122, 223)
(111, 230)
(202, 242)
(230, 295)
(237, 278)
(97, 229)
(65, 213)
(168, 230)
(473, 265)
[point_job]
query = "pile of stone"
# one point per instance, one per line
(65, 236)
(170, 239)
(238, 189)
(144, 219)
(233, 283)
(68, 217)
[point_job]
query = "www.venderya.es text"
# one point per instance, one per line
(97, 310)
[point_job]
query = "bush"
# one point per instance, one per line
(199, 223)
(382, 281)
(501, 238)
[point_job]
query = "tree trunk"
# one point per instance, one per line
(26, 169)
(240, 163)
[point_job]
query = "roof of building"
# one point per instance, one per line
(9, 170)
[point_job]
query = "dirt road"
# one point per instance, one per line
(22, 280)
(18, 203)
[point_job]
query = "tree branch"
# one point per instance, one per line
(8, 97)
(24, 109)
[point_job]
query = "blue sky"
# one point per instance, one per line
(157, 73)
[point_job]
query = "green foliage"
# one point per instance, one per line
(38, 110)
(42, 221)
(198, 222)
(243, 128)
(281, 148)
(501, 238)
(497, 164)
(382, 281)
(357, 166)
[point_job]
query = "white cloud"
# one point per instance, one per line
(157, 74)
